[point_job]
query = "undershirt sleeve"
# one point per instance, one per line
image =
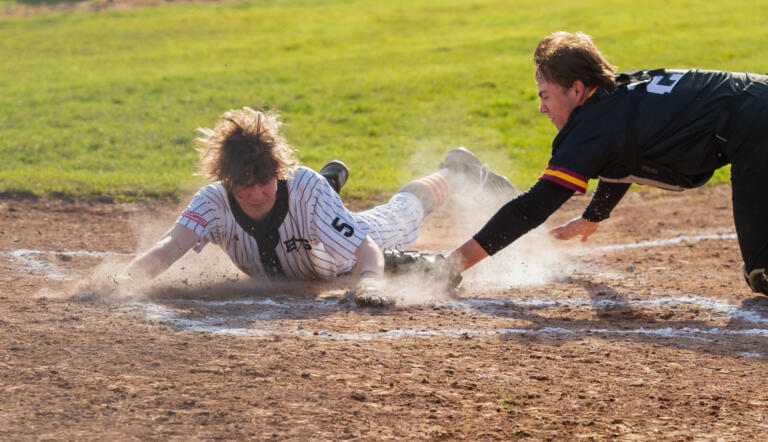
(521, 215)
(606, 197)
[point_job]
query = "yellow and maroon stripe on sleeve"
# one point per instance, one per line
(566, 178)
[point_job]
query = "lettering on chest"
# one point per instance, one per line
(293, 244)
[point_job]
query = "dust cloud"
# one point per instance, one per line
(209, 268)
(210, 275)
(533, 259)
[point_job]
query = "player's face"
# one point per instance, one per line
(557, 101)
(257, 200)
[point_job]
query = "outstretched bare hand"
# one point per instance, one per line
(575, 227)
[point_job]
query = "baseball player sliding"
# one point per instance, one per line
(276, 219)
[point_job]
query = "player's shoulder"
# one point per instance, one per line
(213, 193)
(305, 173)
(304, 178)
(213, 189)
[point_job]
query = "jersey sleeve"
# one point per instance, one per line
(331, 223)
(606, 197)
(584, 148)
(521, 215)
(566, 178)
(204, 214)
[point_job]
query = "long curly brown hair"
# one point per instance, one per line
(245, 148)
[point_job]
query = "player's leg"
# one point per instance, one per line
(749, 175)
(395, 225)
(460, 172)
(751, 219)
(432, 190)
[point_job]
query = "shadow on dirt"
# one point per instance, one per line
(758, 304)
(244, 303)
(618, 319)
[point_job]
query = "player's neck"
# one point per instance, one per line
(258, 215)
(256, 212)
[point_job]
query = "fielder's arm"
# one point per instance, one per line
(606, 197)
(467, 255)
(575, 227)
(172, 246)
(516, 218)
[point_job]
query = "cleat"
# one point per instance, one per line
(336, 173)
(465, 163)
(757, 280)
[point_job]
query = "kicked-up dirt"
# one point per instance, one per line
(646, 331)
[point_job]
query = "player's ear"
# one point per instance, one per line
(578, 88)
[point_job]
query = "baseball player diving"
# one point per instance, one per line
(276, 219)
(664, 127)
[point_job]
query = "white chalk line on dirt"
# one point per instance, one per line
(25, 256)
(50, 270)
(219, 325)
(25, 253)
(213, 326)
(222, 325)
(531, 303)
(664, 242)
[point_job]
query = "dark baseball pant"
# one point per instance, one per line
(747, 149)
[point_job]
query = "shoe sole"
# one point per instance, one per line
(462, 158)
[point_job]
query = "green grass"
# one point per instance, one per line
(108, 102)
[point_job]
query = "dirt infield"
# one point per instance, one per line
(645, 332)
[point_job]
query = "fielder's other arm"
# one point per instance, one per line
(575, 227)
(606, 197)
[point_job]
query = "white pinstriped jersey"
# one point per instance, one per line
(318, 237)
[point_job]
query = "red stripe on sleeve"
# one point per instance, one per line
(195, 217)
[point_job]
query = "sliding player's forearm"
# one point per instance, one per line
(163, 254)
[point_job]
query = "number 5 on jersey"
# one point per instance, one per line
(344, 228)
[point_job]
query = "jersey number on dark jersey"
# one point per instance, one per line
(663, 84)
(344, 228)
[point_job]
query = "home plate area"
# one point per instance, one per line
(645, 332)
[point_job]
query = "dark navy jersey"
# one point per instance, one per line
(656, 127)
(659, 130)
